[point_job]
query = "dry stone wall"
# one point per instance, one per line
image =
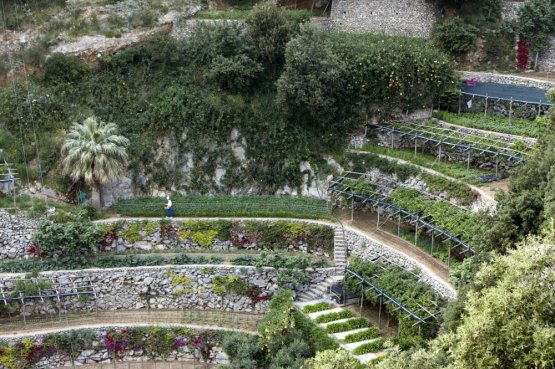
(413, 18)
(99, 354)
(166, 287)
(15, 234)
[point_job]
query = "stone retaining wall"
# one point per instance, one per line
(15, 234)
(508, 79)
(369, 250)
(501, 107)
(166, 287)
(100, 355)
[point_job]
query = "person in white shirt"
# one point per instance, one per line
(169, 210)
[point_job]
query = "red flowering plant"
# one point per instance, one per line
(108, 239)
(168, 232)
(256, 294)
(244, 236)
(35, 250)
(522, 50)
(202, 346)
(116, 341)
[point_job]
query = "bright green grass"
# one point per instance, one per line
(454, 170)
(319, 306)
(227, 206)
(519, 127)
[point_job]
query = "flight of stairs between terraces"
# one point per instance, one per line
(320, 291)
(339, 249)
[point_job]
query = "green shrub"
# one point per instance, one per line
(71, 238)
(205, 238)
(368, 334)
(142, 18)
(370, 347)
(334, 316)
(320, 306)
(316, 336)
(62, 68)
(455, 36)
(102, 261)
(349, 325)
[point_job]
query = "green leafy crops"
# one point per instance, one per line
(519, 127)
(319, 306)
(444, 215)
(367, 348)
(368, 334)
(111, 261)
(458, 171)
(347, 326)
(363, 162)
(226, 206)
(334, 316)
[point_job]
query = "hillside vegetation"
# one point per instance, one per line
(226, 110)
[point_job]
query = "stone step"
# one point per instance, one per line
(354, 345)
(342, 335)
(368, 357)
(323, 325)
(324, 312)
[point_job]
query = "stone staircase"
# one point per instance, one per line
(340, 337)
(319, 292)
(339, 249)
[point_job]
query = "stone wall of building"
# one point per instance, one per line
(15, 234)
(414, 18)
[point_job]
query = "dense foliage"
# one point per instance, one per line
(400, 284)
(507, 318)
(495, 123)
(286, 339)
(444, 215)
(73, 238)
(455, 36)
(363, 162)
(196, 107)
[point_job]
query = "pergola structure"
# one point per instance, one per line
(381, 200)
(45, 288)
(428, 133)
(420, 314)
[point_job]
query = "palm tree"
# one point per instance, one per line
(94, 152)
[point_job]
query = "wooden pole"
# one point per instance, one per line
(460, 100)
(486, 109)
(449, 257)
(378, 222)
(468, 161)
(361, 298)
(352, 209)
(399, 225)
(432, 249)
(380, 314)
(511, 111)
(416, 235)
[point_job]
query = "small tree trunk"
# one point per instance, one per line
(97, 198)
(536, 60)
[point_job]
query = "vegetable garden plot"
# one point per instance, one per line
(415, 217)
(450, 138)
